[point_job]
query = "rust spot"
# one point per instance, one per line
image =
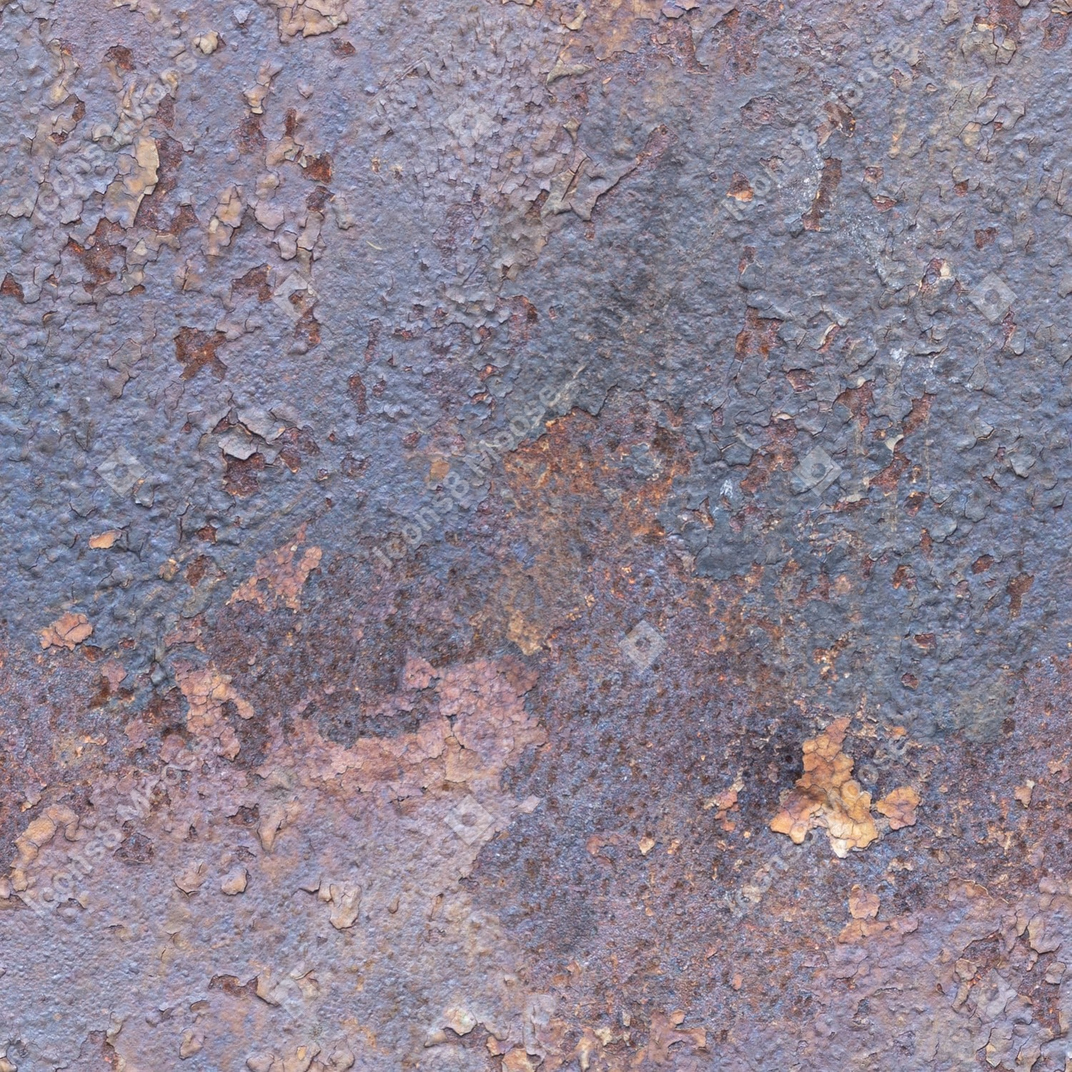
(10, 289)
(307, 324)
(839, 117)
(903, 578)
(241, 477)
(1006, 14)
(776, 455)
(824, 196)
(1016, 589)
(99, 253)
(296, 443)
(858, 400)
(757, 337)
(318, 168)
(249, 136)
(255, 281)
(318, 199)
(120, 57)
(196, 349)
(1055, 32)
(919, 414)
(740, 188)
(737, 38)
(356, 390)
(151, 212)
(888, 478)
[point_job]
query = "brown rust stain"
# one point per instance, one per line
(196, 350)
(823, 201)
(436, 815)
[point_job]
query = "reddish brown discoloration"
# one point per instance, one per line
(824, 196)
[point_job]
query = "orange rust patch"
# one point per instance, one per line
(827, 797)
(279, 577)
(67, 631)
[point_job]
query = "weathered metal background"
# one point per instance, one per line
(535, 535)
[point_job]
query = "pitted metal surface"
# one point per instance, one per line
(535, 535)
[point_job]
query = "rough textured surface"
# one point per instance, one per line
(535, 535)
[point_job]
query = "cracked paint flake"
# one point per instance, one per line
(326, 738)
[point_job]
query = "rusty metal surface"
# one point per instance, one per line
(535, 536)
